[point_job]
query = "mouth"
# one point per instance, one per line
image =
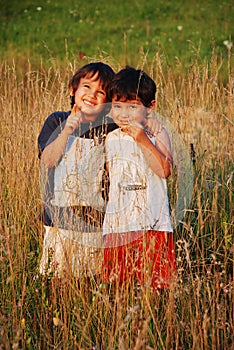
(89, 103)
(124, 122)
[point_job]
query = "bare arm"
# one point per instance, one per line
(152, 125)
(54, 151)
(158, 156)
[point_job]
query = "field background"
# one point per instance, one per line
(187, 48)
(123, 30)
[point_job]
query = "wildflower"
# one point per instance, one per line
(57, 322)
(39, 8)
(36, 277)
(36, 290)
(179, 28)
(23, 322)
(228, 44)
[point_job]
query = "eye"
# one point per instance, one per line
(116, 106)
(101, 92)
(86, 86)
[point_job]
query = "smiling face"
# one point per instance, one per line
(90, 97)
(124, 112)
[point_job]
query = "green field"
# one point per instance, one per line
(126, 31)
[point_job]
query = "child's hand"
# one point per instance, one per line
(74, 120)
(135, 130)
(153, 126)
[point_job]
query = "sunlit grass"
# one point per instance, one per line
(42, 313)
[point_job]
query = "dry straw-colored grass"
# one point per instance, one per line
(197, 312)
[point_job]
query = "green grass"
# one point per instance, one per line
(125, 30)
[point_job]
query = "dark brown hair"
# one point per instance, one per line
(105, 74)
(131, 84)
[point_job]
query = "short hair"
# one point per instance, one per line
(131, 84)
(105, 74)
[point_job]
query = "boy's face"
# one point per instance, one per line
(124, 112)
(90, 97)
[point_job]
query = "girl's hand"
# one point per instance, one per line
(74, 120)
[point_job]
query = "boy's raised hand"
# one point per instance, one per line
(55, 150)
(74, 120)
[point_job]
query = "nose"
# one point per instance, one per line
(125, 112)
(92, 93)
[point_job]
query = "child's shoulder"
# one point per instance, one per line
(59, 116)
(115, 133)
(56, 119)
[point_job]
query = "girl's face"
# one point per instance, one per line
(124, 112)
(90, 97)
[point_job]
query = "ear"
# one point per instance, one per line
(152, 106)
(71, 91)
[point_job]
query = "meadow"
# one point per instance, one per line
(197, 312)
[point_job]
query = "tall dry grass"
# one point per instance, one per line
(197, 312)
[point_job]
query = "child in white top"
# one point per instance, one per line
(137, 228)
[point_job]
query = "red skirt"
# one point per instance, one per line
(148, 256)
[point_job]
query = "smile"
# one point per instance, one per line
(124, 121)
(89, 103)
